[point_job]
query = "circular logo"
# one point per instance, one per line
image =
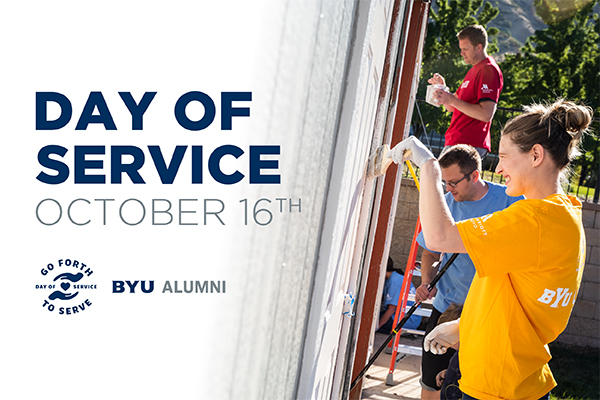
(67, 287)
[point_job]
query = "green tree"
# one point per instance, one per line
(560, 61)
(553, 11)
(441, 53)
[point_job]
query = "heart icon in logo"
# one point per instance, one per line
(65, 286)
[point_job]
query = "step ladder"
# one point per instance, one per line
(421, 311)
(395, 347)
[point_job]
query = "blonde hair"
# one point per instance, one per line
(557, 127)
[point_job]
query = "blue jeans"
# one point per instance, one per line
(467, 397)
(450, 389)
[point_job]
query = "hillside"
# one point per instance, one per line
(517, 21)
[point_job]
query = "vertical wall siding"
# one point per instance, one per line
(343, 232)
(305, 50)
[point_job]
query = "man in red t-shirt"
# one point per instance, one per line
(474, 103)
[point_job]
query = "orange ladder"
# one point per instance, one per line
(405, 295)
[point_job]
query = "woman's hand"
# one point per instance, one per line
(442, 337)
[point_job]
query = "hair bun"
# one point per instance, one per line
(558, 127)
(573, 118)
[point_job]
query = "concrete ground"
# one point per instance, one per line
(405, 377)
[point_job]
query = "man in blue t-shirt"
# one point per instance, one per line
(468, 196)
(391, 295)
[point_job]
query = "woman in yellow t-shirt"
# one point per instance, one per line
(529, 257)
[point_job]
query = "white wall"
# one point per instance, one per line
(323, 68)
(305, 54)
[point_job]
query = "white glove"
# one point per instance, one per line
(442, 337)
(419, 154)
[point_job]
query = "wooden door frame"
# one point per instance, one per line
(401, 107)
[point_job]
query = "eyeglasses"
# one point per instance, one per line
(454, 184)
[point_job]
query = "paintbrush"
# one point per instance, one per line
(380, 161)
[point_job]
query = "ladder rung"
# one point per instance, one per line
(423, 312)
(412, 350)
(413, 331)
(411, 297)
